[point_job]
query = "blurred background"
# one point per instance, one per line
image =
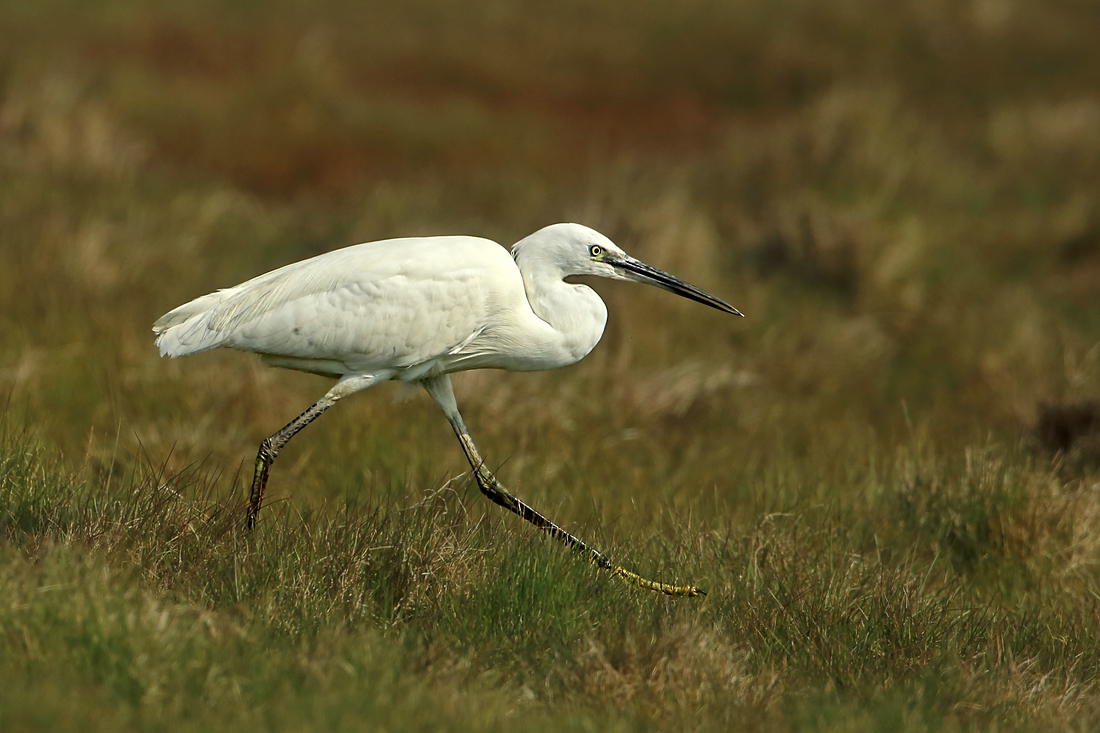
(902, 197)
(886, 474)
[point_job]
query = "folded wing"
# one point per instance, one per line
(393, 304)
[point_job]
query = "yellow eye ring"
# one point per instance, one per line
(595, 250)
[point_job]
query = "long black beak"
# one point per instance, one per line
(641, 272)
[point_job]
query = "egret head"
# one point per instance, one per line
(574, 249)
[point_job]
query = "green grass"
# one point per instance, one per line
(903, 201)
(934, 595)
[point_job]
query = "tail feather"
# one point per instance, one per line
(184, 330)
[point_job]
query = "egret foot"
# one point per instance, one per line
(495, 491)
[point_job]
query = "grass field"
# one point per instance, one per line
(887, 476)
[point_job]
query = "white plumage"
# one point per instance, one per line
(411, 306)
(417, 309)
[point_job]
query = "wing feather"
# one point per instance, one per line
(389, 304)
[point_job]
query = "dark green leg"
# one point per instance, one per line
(440, 390)
(271, 446)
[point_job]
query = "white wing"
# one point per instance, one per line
(389, 305)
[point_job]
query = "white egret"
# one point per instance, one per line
(416, 310)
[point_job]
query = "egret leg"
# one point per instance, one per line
(440, 390)
(271, 446)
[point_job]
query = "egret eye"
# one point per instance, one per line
(595, 250)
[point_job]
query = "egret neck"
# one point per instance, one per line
(573, 310)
